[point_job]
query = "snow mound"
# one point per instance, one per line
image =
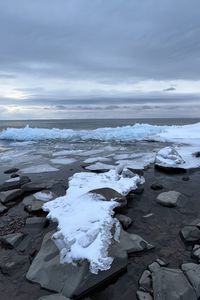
(85, 219)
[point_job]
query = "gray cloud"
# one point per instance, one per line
(109, 42)
(170, 89)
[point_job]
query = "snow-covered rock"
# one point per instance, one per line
(90, 236)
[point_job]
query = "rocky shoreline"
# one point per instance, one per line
(158, 252)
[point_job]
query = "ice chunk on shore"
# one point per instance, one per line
(85, 219)
(140, 162)
(98, 166)
(169, 157)
(91, 160)
(39, 169)
(183, 157)
(63, 161)
(43, 196)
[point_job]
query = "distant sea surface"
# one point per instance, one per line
(79, 124)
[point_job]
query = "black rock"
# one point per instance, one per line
(156, 186)
(14, 184)
(14, 175)
(185, 178)
(138, 191)
(12, 170)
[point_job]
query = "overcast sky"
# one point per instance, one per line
(99, 58)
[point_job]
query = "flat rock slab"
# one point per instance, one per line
(192, 271)
(31, 204)
(54, 297)
(172, 284)
(36, 222)
(2, 208)
(169, 199)
(11, 240)
(65, 278)
(16, 184)
(10, 195)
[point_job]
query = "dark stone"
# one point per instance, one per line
(14, 184)
(197, 154)
(36, 222)
(143, 295)
(171, 284)
(185, 178)
(33, 187)
(156, 186)
(3, 208)
(138, 191)
(14, 175)
(10, 195)
(11, 170)
(108, 194)
(196, 252)
(11, 240)
(169, 199)
(54, 297)
(192, 271)
(145, 281)
(11, 263)
(190, 234)
(124, 220)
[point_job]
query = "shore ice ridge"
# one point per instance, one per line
(85, 219)
(123, 133)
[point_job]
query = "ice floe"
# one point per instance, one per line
(141, 161)
(91, 160)
(39, 169)
(98, 166)
(63, 161)
(85, 219)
